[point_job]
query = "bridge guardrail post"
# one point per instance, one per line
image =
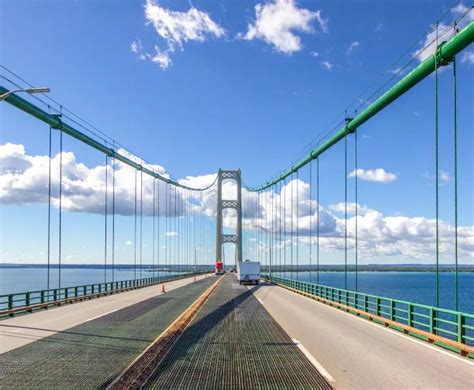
(410, 314)
(460, 321)
(432, 320)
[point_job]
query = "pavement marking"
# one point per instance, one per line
(406, 337)
(101, 315)
(314, 362)
(423, 343)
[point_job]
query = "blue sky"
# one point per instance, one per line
(233, 99)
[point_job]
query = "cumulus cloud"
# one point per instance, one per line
(378, 175)
(24, 180)
(443, 176)
(278, 22)
(327, 65)
(351, 47)
(443, 32)
(175, 28)
(137, 47)
(468, 57)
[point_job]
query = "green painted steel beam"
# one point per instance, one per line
(56, 123)
(443, 55)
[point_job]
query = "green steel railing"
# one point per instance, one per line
(454, 325)
(26, 300)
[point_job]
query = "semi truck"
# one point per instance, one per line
(248, 271)
(219, 268)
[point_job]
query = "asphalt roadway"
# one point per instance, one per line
(359, 354)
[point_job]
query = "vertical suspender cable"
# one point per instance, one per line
(258, 227)
(279, 225)
(158, 230)
(456, 276)
(105, 218)
(154, 224)
(60, 204)
(319, 220)
(113, 218)
(165, 260)
(49, 207)
(292, 217)
(437, 167)
(345, 212)
(310, 219)
(284, 224)
(356, 211)
(135, 231)
(141, 222)
(270, 229)
(175, 230)
(297, 226)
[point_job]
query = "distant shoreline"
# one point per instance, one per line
(302, 268)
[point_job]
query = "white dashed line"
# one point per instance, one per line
(100, 315)
(314, 362)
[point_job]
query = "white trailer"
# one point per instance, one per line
(248, 271)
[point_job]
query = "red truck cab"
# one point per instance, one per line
(219, 269)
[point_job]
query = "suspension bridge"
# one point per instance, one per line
(176, 324)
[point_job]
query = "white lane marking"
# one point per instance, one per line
(423, 343)
(314, 362)
(405, 337)
(101, 315)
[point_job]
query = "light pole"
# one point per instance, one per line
(27, 90)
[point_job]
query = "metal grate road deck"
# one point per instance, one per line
(233, 343)
(91, 355)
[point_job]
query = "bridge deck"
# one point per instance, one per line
(361, 355)
(234, 343)
(92, 354)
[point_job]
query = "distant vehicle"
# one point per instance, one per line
(248, 272)
(219, 268)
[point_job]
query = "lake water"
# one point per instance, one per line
(417, 287)
(21, 279)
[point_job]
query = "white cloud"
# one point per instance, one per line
(379, 26)
(137, 47)
(277, 23)
(327, 65)
(314, 54)
(444, 177)
(412, 238)
(24, 180)
(378, 175)
(467, 57)
(175, 28)
(351, 47)
(171, 234)
(443, 32)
